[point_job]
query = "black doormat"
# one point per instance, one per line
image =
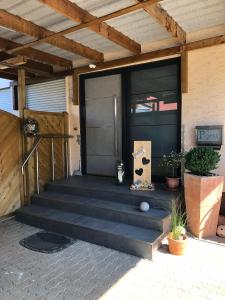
(46, 242)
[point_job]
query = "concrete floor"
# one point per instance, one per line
(89, 272)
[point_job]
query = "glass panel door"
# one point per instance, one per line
(153, 111)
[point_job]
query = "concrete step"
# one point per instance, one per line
(126, 238)
(157, 219)
(157, 199)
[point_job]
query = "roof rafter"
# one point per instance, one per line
(76, 13)
(164, 19)
(29, 65)
(35, 54)
(12, 71)
(7, 75)
(209, 42)
(13, 61)
(21, 25)
(115, 14)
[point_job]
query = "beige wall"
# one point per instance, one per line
(204, 104)
(74, 127)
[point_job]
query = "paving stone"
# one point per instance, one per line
(86, 271)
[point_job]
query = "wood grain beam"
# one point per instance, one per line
(35, 54)
(21, 91)
(164, 19)
(77, 14)
(30, 65)
(7, 75)
(115, 14)
(130, 60)
(13, 61)
(15, 72)
(214, 41)
(21, 25)
(184, 71)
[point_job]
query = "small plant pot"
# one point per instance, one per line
(177, 247)
(172, 182)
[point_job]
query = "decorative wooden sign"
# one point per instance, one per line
(142, 165)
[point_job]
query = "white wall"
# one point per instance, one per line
(204, 104)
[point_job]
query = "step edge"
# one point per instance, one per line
(52, 184)
(113, 209)
(87, 227)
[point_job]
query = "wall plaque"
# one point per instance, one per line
(209, 135)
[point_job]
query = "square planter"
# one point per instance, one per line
(203, 198)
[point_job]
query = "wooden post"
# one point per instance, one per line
(184, 71)
(75, 88)
(21, 105)
(21, 91)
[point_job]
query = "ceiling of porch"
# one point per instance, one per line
(139, 31)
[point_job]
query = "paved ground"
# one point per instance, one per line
(88, 272)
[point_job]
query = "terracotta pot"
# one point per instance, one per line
(203, 198)
(177, 247)
(172, 182)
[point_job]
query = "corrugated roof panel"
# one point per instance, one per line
(94, 40)
(100, 8)
(139, 26)
(34, 11)
(57, 51)
(193, 15)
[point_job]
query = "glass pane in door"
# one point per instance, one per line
(154, 110)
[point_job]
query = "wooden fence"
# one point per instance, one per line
(49, 123)
(11, 193)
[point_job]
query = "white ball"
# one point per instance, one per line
(221, 231)
(144, 206)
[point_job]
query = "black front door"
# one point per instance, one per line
(153, 111)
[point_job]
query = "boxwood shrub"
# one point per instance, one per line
(202, 160)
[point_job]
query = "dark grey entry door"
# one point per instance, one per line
(103, 124)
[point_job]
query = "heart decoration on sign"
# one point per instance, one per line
(145, 161)
(139, 172)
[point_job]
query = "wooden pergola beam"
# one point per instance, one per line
(77, 14)
(164, 19)
(7, 75)
(13, 61)
(21, 25)
(145, 57)
(29, 65)
(115, 14)
(15, 72)
(35, 54)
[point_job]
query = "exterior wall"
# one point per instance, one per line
(74, 127)
(204, 104)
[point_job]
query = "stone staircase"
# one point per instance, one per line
(96, 210)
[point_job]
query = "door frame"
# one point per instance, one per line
(125, 89)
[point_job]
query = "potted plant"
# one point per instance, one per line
(172, 161)
(177, 238)
(203, 191)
